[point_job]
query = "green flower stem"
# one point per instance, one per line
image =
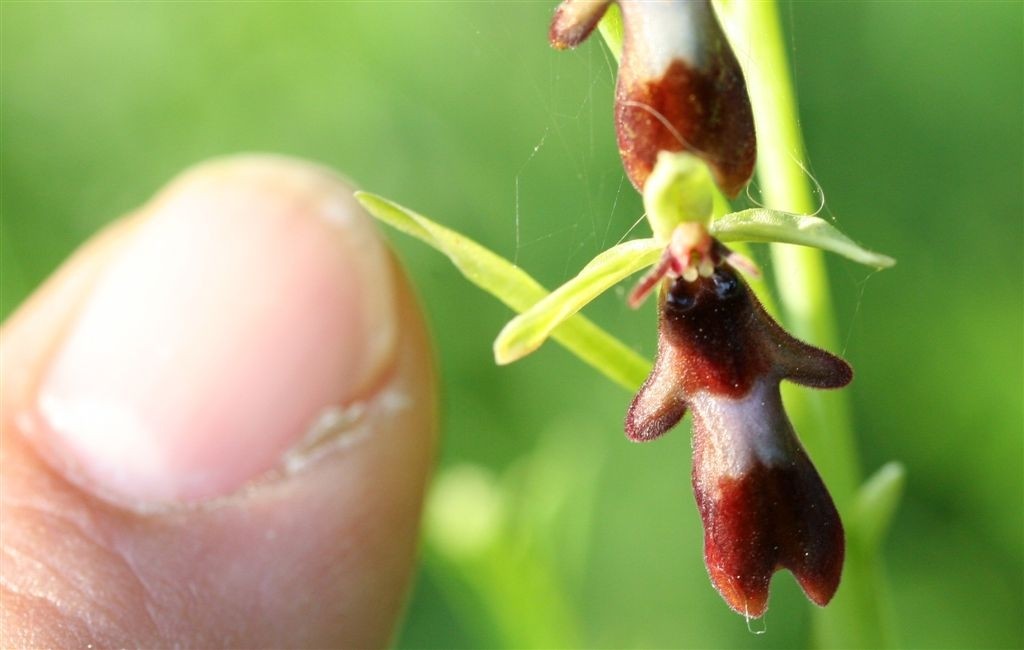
(611, 30)
(857, 617)
(800, 274)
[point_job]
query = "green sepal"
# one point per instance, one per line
(527, 332)
(514, 287)
(764, 225)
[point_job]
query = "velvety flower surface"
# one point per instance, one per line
(679, 86)
(763, 505)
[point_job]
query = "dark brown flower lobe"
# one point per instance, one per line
(763, 505)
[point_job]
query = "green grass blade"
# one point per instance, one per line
(514, 287)
(526, 332)
(764, 225)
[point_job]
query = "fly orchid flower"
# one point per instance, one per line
(684, 123)
(762, 503)
(720, 355)
(679, 86)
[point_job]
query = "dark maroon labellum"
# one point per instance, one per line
(763, 505)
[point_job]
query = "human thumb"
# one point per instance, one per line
(217, 423)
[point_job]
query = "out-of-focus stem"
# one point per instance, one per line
(823, 419)
(858, 616)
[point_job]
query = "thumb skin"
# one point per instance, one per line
(217, 423)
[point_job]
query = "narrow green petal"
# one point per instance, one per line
(514, 287)
(764, 225)
(529, 330)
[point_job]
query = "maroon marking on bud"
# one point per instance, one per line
(704, 111)
(763, 505)
(679, 86)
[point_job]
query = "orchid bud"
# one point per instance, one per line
(763, 505)
(679, 86)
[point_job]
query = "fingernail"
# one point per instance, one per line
(254, 295)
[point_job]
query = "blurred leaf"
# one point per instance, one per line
(502, 574)
(861, 615)
(527, 332)
(465, 512)
(764, 225)
(876, 503)
(514, 287)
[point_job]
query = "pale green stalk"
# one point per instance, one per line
(822, 418)
(858, 616)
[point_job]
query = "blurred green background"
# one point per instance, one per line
(545, 527)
